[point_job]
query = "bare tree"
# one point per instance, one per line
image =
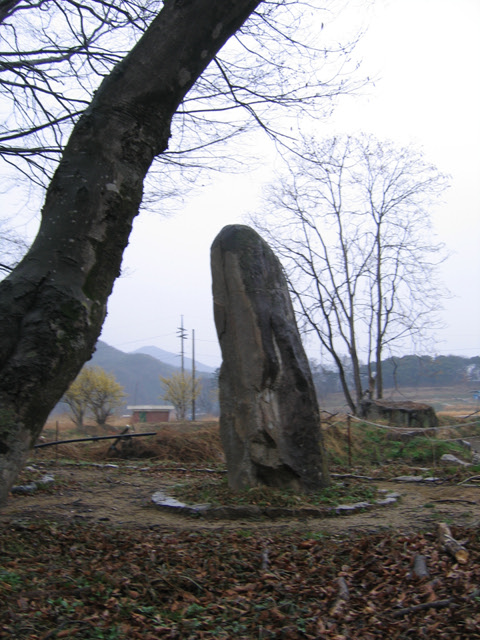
(53, 56)
(56, 53)
(52, 305)
(351, 222)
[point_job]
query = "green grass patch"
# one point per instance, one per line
(370, 447)
(215, 491)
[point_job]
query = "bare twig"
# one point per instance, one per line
(436, 604)
(468, 479)
(352, 475)
(455, 500)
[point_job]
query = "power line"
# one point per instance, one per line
(163, 335)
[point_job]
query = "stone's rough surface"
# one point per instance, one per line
(269, 416)
(402, 414)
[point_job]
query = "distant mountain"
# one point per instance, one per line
(173, 359)
(138, 373)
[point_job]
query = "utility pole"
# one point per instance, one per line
(193, 375)
(182, 334)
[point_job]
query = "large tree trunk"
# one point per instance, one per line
(6, 7)
(53, 304)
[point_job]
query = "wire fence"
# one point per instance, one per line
(429, 432)
(413, 429)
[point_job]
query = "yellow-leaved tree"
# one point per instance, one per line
(181, 389)
(96, 392)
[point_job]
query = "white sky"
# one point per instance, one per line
(426, 56)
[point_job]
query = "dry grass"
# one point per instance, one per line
(199, 442)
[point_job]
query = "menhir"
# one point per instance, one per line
(269, 415)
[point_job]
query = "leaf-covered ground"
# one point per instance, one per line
(73, 580)
(88, 557)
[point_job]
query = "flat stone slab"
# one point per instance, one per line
(162, 501)
(448, 458)
(31, 487)
(240, 512)
(415, 479)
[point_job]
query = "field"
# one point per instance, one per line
(453, 401)
(90, 556)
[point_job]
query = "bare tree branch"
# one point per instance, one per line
(351, 221)
(56, 53)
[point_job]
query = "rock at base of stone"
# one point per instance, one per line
(402, 414)
(269, 416)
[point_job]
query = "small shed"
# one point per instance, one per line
(151, 413)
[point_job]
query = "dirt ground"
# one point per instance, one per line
(122, 497)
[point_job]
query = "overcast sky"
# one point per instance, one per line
(425, 55)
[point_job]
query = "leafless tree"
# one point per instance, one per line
(53, 304)
(56, 53)
(351, 221)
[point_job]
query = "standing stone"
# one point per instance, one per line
(269, 415)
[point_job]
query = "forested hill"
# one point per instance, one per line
(138, 373)
(410, 371)
(427, 371)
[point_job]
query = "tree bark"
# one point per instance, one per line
(344, 383)
(52, 306)
(378, 312)
(6, 8)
